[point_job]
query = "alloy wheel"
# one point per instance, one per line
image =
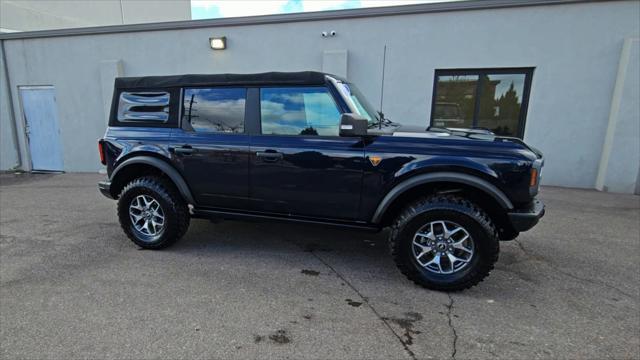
(443, 247)
(146, 215)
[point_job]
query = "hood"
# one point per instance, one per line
(415, 131)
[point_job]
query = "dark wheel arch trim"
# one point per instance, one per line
(163, 166)
(461, 178)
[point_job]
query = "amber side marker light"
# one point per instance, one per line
(101, 152)
(534, 178)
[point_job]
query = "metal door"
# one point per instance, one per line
(41, 126)
(316, 176)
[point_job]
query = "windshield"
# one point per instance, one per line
(359, 102)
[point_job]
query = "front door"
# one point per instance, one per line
(43, 133)
(212, 148)
(299, 164)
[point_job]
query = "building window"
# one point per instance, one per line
(493, 99)
(149, 106)
(219, 110)
(298, 111)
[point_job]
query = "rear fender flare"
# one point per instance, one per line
(461, 178)
(163, 166)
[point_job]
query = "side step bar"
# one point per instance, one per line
(232, 215)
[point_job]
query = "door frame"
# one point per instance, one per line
(23, 123)
(253, 125)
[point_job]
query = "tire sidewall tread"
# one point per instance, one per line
(175, 209)
(450, 208)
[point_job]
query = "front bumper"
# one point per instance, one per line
(105, 188)
(525, 219)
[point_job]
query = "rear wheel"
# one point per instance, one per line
(444, 243)
(152, 213)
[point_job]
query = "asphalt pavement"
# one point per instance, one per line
(73, 286)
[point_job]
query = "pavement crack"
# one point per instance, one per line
(454, 346)
(365, 300)
(573, 276)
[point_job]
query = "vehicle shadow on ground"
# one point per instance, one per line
(315, 246)
(351, 251)
(206, 237)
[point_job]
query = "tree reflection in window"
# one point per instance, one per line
(215, 109)
(493, 99)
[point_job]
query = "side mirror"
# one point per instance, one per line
(353, 125)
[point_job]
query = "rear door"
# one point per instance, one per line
(298, 164)
(212, 148)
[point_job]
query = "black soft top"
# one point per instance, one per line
(268, 78)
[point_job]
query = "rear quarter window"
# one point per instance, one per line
(145, 108)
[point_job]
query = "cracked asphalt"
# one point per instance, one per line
(73, 286)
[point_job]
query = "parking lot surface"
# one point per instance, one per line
(73, 286)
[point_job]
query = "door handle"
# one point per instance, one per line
(183, 150)
(270, 155)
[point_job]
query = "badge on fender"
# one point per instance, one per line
(375, 160)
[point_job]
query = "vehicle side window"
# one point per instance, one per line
(298, 111)
(143, 107)
(218, 110)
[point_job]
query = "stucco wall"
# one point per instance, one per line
(8, 154)
(575, 50)
(29, 15)
(620, 161)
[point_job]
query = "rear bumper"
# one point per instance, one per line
(105, 188)
(525, 219)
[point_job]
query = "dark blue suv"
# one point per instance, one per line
(307, 147)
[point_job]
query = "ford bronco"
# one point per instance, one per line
(307, 147)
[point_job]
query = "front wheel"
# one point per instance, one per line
(444, 242)
(152, 213)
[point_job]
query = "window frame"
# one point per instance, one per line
(172, 120)
(330, 90)
(186, 125)
(526, 71)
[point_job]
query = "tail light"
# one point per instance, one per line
(103, 161)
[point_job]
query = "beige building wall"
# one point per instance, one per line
(30, 15)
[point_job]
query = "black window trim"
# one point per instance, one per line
(330, 91)
(186, 125)
(172, 121)
(527, 71)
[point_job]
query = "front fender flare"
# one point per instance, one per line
(163, 166)
(461, 178)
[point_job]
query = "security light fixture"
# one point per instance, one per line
(218, 43)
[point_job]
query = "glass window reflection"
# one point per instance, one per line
(484, 98)
(455, 101)
(215, 109)
(500, 103)
(298, 111)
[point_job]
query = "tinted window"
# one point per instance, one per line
(493, 99)
(298, 111)
(501, 103)
(143, 107)
(455, 101)
(215, 109)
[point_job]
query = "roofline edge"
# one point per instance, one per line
(293, 17)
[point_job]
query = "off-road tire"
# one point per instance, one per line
(447, 208)
(173, 205)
